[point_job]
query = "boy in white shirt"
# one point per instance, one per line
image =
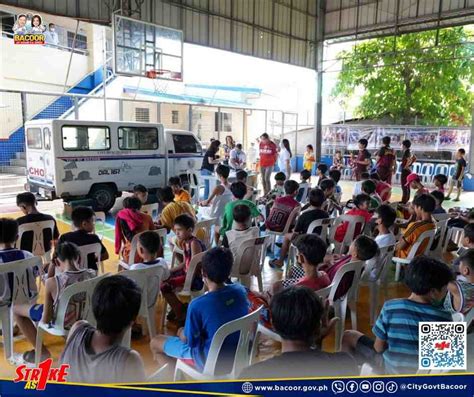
(241, 230)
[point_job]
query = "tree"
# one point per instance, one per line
(425, 75)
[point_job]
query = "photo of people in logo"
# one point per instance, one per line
(29, 29)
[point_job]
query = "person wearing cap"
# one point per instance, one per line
(414, 182)
(237, 158)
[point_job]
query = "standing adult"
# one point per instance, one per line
(362, 160)
(407, 161)
(284, 158)
(207, 168)
(228, 146)
(268, 155)
(385, 161)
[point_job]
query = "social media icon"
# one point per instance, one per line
(365, 386)
(378, 387)
(338, 387)
(391, 387)
(352, 387)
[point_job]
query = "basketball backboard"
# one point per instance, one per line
(146, 50)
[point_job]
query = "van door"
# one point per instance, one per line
(39, 159)
(185, 153)
(142, 155)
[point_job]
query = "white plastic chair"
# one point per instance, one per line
(441, 169)
(133, 247)
(205, 226)
(416, 168)
(353, 221)
(452, 170)
(90, 249)
(290, 221)
(304, 194)
(150, 209)
(443, 239)
(248, 261)
(37, 228)
(398, 171)
(148, 279)
(100, 217)
(340, 304)
(22, 272)
(456, 234)
(380, 279)
(56, 327)
(428, 235)
(247, 327)
(194, 180)
(427, 172)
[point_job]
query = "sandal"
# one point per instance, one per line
(28, 357)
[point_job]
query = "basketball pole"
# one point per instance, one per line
(104, 70)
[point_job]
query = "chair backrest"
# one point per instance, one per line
(427, 235)
(150, 209)
(324, 224)
(291, 219)
(86, 250)
(247, 327)
(100, 217)
(247, 260)
(193, 179)
(86, 289)
(148, 279)
(37, 228)
(23, 275)
(385, 257)
(353, 221)
(203, 230)
(323, 293)
(193, 266)
(441, 217)
(303, 193)
(442, 236)
(417, 168)
(351, 267)
(133, 246)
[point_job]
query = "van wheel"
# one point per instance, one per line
(103, 196)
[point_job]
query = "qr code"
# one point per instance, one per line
(442, 345)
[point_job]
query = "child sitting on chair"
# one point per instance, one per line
(172, 209)
(305, 177)
(460, 297)
(241, 176)
(361, 202)
(220, 195)
(383, 189)
(206, 314)
(439, 181)
(180, 194)
(321, 171)
(282, 207)
(83, 219)
(369, 187)
(191, 245)
(242, 229)
(439, 198)
(66, 259)
(395, 349)
(95, 354)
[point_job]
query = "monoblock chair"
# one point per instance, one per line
(441, 169)
(340, 303)
(456, 234)
(303, 193)
(378, 280)
(133, 247)
(78, 294)
(37, 228)
(247, 328)
(427, 172)
(90, 249)
(442, 236)
(21, 273)
(427, 237)
(100, 219)
(149, 281)
(416, 167)
(248, 261)
(290, 221)
(353, 222)
(150, 209)
(194, 186)
(203, 230)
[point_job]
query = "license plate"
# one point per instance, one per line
(42, 192)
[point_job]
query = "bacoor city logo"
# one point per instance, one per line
(37, 378)
(29, 29)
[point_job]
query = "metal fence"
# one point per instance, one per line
(243, 124)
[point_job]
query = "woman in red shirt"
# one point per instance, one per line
(268, 156)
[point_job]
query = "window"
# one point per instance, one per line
(142, 115)
(224, 122)
(80, 137)
(186, 144)
(33, 138)
(175, 117)
(47, 138)
(138, 138)
(81, 41)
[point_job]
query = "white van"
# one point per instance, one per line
(73, 159)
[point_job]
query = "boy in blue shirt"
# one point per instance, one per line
(396, 330)
(206, 314)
